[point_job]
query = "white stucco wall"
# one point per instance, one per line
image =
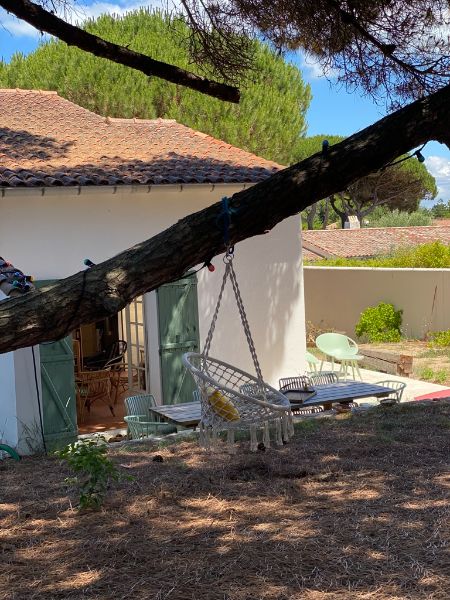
(63, 226)
(336, 296)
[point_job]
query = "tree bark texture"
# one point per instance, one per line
(106, 288)
(44, 20)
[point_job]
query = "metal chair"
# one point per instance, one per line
(294, 383)
(115, 354)
(324, 378)
(397, 391)
(138, 418)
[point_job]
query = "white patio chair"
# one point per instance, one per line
(337, 346)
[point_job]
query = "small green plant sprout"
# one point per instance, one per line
(439, 339)
(93, 470)
(380, 323)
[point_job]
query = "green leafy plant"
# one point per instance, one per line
(380, 323)
(429, 374)
(94, 470)
(439, 339)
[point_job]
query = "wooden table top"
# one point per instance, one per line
(189, 413)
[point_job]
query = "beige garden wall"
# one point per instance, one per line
(335, 296)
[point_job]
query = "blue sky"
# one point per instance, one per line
(332, 111)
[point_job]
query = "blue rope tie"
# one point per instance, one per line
(224, 220)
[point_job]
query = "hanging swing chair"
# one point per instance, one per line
(232, 399)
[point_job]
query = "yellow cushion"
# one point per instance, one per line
(222, 405)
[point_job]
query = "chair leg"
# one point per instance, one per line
(353, 369)
(358, 371)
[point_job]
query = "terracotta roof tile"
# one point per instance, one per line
(369, 241)
(47, 140)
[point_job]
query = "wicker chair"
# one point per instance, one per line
(397, 391)
(138, 418)
(243, 402)
(92, 386)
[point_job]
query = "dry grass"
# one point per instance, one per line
(352, 508)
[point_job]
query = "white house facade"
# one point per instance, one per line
(95, 211)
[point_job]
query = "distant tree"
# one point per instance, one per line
(383, 217)
(441, 210)
(398, 187)
(268, 121)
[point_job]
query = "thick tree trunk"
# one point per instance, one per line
(108, 287)
(46, 21)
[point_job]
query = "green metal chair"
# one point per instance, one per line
(341, 348)
(397, 391)
(312, 361)
(138, 418)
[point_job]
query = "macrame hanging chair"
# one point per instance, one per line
(232, 399)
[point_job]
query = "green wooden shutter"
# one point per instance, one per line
(58, 391)
(178, 333)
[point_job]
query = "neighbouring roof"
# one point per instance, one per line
(46, 140)
(368, 241)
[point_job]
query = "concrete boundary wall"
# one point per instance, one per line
(336, 296)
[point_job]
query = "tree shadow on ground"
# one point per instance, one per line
(352, 508)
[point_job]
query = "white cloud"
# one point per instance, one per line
(312, 67)
(94, 10)
(16, 27)
(82, 12)
(439, 167)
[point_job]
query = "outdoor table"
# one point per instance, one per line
(342, 392)
(345, 392)
(187, 414)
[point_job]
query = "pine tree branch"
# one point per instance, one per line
(106, 288)
(72, 35)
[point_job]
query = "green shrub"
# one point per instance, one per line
(94, 470)
(439, 339)
(380, 323)
(399, 218)
(429, 374)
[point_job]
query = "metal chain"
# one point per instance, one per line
(216, 312)
(229, 272)
(248, 335)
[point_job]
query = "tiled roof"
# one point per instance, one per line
(46, 140)
(369, 241)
